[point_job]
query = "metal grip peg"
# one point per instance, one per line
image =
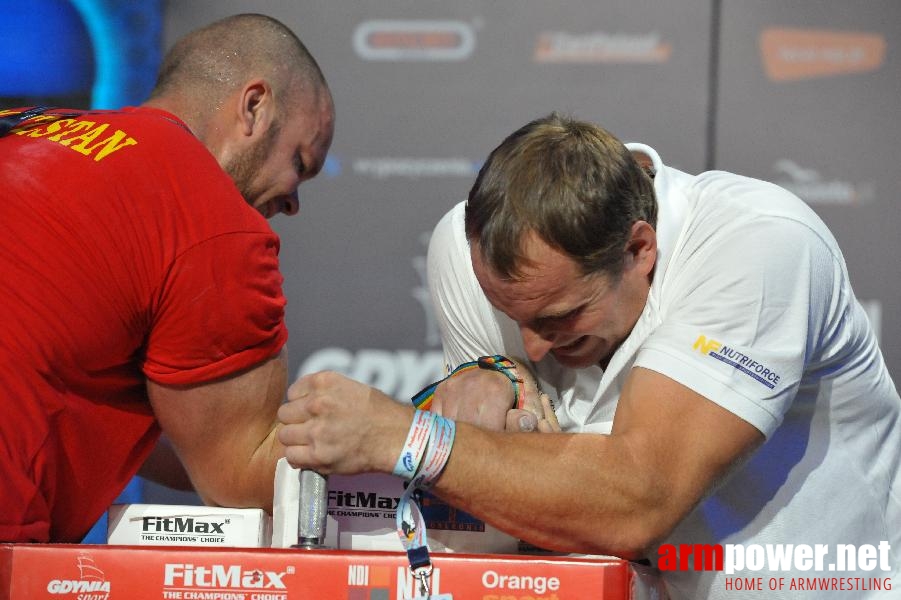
(312, 510)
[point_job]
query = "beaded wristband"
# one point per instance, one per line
(502, 364)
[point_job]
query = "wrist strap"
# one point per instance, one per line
(494, 362)
(411, 527)
(415, 445)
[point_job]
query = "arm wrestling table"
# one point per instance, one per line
(99, 572)
(123, 570)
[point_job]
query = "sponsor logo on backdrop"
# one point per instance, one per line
(809, 185)
(399, 373)
(90, 585)
(413, 40)
(791, 54)
(371, 582)
(601, 47)
(415, 168)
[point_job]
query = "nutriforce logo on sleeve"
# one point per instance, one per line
(229, 580)
(740, 361)
(397, 41)
(91, 583)
(792, 54)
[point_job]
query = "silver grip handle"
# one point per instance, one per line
(312, 510)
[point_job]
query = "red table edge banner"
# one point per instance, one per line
(50, 569)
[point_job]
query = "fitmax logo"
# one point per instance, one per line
(181, 525)
(222, 576)
(361, 500)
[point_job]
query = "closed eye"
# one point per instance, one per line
(299, 167)
(559, 319)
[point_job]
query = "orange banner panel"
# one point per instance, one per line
(792, 54)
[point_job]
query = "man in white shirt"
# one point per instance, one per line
(705, 325)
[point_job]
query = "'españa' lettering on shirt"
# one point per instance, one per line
(89, 138)
(737, 359)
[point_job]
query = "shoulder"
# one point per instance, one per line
(744, 212)
(158, 140)
(186, 175)
(756, 198)
(450, 229)
(448, 246)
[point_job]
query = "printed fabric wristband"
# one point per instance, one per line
(494, 362)
(415, 445)
(411, 528)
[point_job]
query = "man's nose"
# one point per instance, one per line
(536, 344)
(291, 205)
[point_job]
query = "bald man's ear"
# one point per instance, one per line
(256, 109)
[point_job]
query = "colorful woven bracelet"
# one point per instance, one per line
(495, 362)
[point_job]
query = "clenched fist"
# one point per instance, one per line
(335, 425)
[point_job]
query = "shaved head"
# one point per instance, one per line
(249, 90)
(215, 60)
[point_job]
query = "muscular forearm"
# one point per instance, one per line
(609, 494)
(225, 433)
(567, 492)
(254, 481)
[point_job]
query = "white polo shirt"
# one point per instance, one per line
(751, 307)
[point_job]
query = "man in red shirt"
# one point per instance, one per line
(140, 283)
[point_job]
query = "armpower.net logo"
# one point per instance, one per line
(795, 54)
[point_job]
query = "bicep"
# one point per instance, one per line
(223, 429)
(219, 309)
(739, 331)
